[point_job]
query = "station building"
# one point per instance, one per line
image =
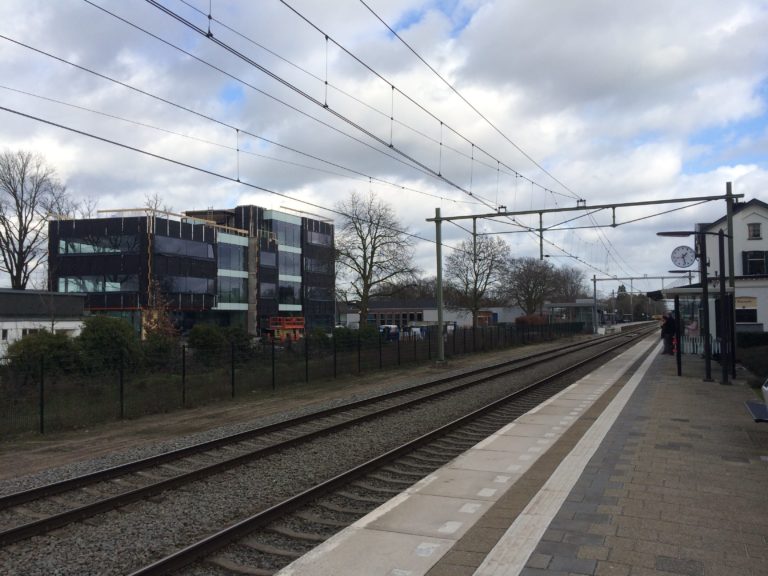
(267, 271)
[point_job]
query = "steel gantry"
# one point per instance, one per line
(581, 205)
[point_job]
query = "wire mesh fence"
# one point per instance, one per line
(46, 393)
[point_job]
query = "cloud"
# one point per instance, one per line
(614, 102)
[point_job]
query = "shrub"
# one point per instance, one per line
(159, 349)
(105, 342)
(208, 342)
(58, 351)
(238, 337)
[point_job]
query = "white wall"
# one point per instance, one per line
(14, 329)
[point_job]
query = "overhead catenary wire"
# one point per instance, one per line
(378, 75)
(246, 152)
(207, 171)
(327, 84)
(404, 158)
(312, 99)
(468, 103)
(317, 102)
(609, 247)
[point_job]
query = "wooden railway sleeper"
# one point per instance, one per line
(265, 548)
(237, 568)
(358, 498)
(391, 480)
(315, 519)
(376, 489)
(290, 533)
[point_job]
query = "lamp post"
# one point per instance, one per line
(702, 255)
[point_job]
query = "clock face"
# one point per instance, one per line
(683, 256)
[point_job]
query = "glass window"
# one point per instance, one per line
(232, 257)
(109, 244)
(287, 234)
(289, 293)
(754, 263)
(318, 238)
(233, 290)
(746, 315)
(290, 263)
(186, 285)
(318, 293)
(318, 266)
(181, 247)
(110, 283)
(268, 290)
(753, 231)
(268, 259)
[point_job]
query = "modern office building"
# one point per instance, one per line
(265, 270)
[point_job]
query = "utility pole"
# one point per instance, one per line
(541, 236)
(594, 304)
(439, 286)
(731, 276)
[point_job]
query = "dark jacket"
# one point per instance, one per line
(668, 327)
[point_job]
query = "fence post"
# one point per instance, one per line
(306, 358)
(334, 353)
(398, 351)
(183, 375)
(232, 367)
(42, 394)
(359, 359)
(429, 343)
(274, 380)
(122, 386)
(380, 359)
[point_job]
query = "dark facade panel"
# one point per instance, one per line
(34, 303)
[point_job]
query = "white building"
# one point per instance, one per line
(750, 251)
(23, 312)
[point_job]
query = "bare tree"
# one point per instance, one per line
(473, 272)
(568, 284)
(155, 203)
(408, 289)
(371, 247)
(528, 283)
(29, 193)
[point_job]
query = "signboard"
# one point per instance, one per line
(286, 323)
(746, 302)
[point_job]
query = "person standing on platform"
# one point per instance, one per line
(667, 333)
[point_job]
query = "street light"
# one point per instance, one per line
(702, 255)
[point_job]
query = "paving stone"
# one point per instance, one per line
(680, 566)
(612, 569)
(572, 565)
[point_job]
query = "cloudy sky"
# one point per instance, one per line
(521, 104)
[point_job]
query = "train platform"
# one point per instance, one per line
(630, 471)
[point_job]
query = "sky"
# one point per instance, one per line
(471, 106)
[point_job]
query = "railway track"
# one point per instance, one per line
(268, 541)
(83, 497)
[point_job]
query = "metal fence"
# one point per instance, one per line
(45, 394)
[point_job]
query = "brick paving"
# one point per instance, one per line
(678, 487)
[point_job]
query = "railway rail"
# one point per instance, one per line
(83, 497)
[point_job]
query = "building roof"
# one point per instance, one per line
(40, 304)
(737, 207)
